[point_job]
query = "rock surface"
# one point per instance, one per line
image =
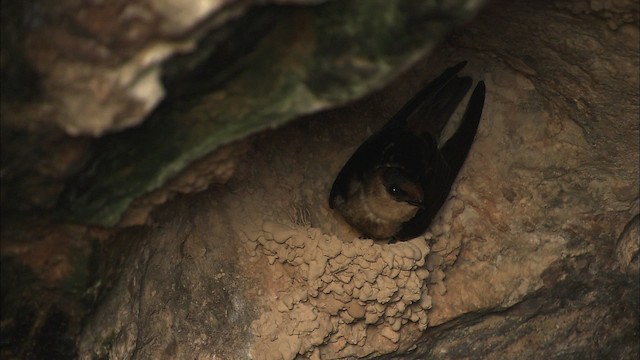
(535, 255)
(229, 69)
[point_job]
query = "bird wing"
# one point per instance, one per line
(371, 152)
(456, 149)
(363, 159)
(425, 96)
(450, 159)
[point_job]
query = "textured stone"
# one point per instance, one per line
(229, 69)
(534, 256)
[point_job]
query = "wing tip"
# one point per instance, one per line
(478, 96)
(459, 66)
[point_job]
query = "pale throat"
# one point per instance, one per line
(382, 208)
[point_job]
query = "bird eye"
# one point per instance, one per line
(395, 190)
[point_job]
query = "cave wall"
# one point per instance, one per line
(534, 255)
(78, 79)
(224, 70)
(525, 260)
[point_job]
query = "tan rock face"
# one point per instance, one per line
(342, 293)
(229, 69)
(324, 296)
(534, 255)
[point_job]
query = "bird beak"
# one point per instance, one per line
(417, 204)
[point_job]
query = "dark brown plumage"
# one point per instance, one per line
(397, 180)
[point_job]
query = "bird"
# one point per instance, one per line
(394, 184)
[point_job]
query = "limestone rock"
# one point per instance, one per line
(223, 69)
(534, 255)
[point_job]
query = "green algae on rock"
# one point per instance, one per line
(307, 60)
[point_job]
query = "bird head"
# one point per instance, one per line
(393, 195)
(401, 187)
